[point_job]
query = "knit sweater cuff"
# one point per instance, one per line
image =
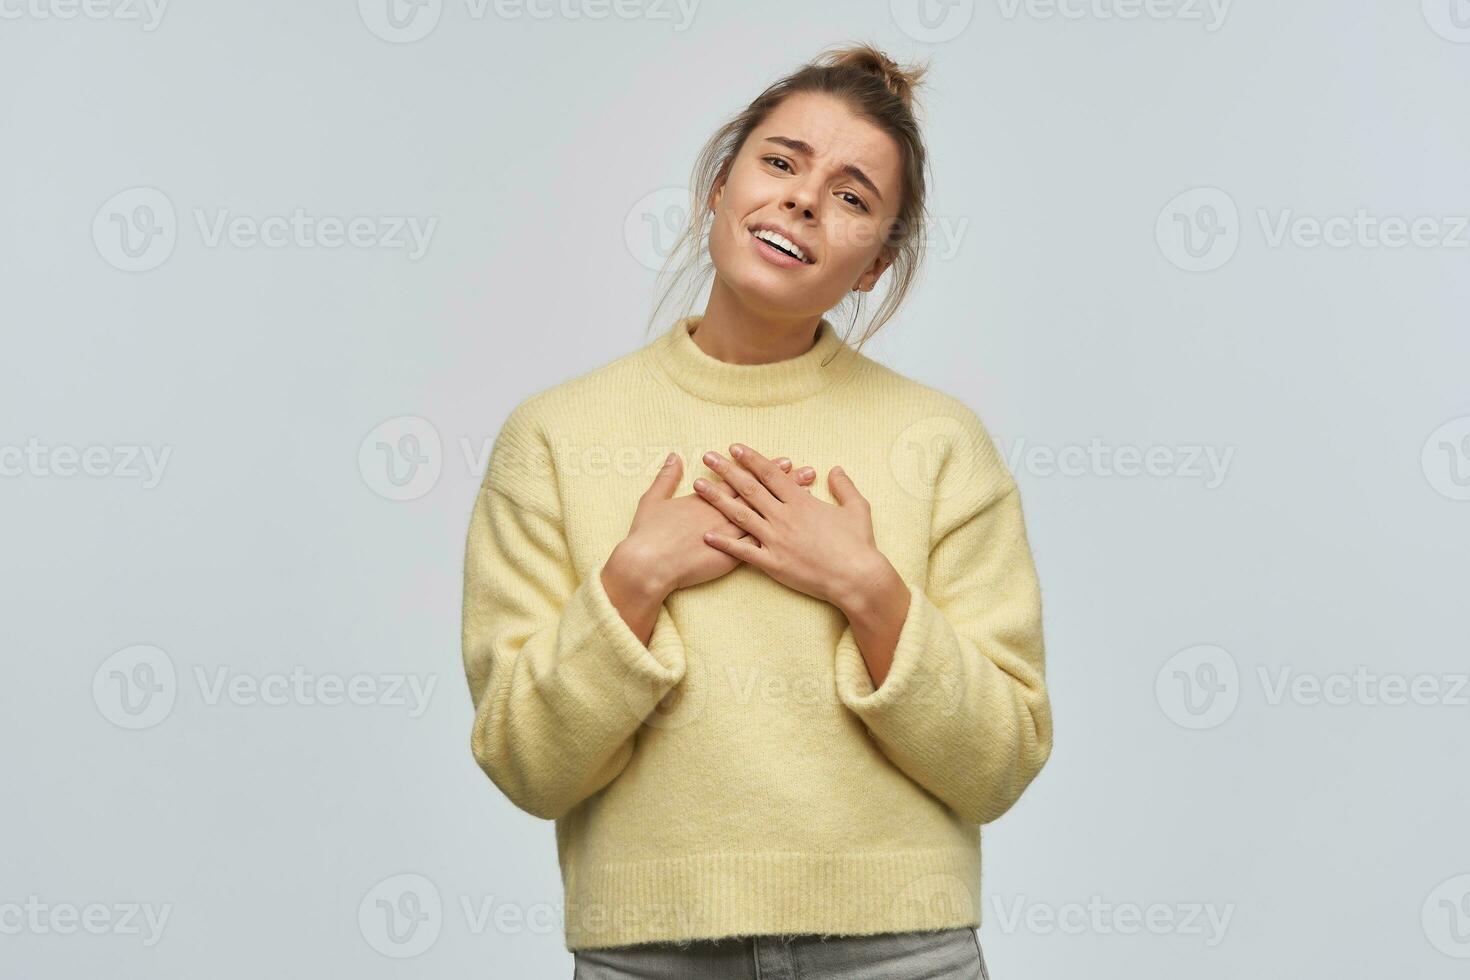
(661, 663)
(913, 684)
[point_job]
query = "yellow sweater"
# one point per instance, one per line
(740, 775)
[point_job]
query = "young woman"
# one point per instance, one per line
(768, 716)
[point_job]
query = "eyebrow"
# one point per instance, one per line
(801, 146)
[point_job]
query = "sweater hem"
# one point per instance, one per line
(714, 896)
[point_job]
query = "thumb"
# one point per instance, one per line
(667, 478)
(844, 491)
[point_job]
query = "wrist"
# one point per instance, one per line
(871, 583)
(636, 572)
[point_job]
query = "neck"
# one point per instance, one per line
(823, 363)
(732, 332)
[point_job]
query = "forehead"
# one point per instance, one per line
(837, 135)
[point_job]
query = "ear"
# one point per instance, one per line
(874, 272)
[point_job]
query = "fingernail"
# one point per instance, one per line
(709, 458)
(808, 471)
(670, 460)
(736, 451)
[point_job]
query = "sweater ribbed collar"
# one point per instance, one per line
(775, 383)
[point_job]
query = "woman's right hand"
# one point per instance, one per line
(665, 546)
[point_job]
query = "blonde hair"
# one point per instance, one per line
(874, 87)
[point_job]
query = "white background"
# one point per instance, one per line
(285, 391)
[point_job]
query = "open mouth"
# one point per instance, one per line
(781, 245)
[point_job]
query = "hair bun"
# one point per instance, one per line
(899, 80)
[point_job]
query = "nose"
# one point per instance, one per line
(800, 197)
(802, 209)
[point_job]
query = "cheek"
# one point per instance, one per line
(851, 250)
(728, 223)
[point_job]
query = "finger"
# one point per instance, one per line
(747, 486)
(804, 477)
(667, 478)
(772, 477)
(735, 508)
(844, 491)
(743, 548)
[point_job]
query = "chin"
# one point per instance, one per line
(776, 300)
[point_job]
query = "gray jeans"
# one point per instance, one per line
(947, 954)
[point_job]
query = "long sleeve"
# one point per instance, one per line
(963, 709)
(560, 683)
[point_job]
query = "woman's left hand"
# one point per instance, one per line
(823, 550)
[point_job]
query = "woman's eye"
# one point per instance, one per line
(849, 196)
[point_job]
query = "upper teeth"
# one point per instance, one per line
(783, 241)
